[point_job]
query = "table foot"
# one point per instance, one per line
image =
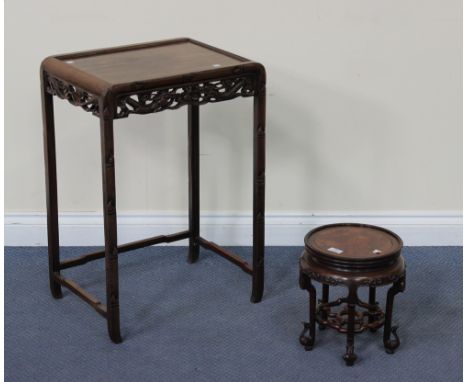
(254, 299)
(193, 254)
(56, 290)
(389, 330)
(304, 339)
(257, 284)
(350, 357)
(116, 338)
(392, 344)
(308, 341)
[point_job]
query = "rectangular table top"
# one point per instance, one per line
(152, 62)
(147, 65)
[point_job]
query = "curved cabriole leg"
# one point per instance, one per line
(194, 181)
(392, 344)
(51, 189)
(324, 300)
(352, 300)
(308, 341)
(258, 194)
(110, 228)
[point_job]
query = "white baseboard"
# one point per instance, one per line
(85, 229)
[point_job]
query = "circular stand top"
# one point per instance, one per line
(353, 247)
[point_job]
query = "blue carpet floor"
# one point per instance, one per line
(184, 322)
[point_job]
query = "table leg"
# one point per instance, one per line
(372, 304)
(110, 228)
(350, 356)
(391, 344)
(51, 189)
(324, 300)
(308, 341)
(194, 181)
(258, 197)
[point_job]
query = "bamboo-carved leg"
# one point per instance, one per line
(110, 227)
(51, 188)
(194, 181)
(392, 344)
(372, 304)
(324, 300)
(352, 300)
(258, 195)
(308, 341)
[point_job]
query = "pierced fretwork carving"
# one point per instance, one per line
(338, 320)
(374, 281)
(72, 94)
(155, 100)
(201, 93)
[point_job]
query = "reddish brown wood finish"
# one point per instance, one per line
(140, 79)
(152, 63)
(83, 294)
(125, 248)
(357, 265)
(51, 188)
(178, 74)
(110, 226)
(237, 260)
(350, 246)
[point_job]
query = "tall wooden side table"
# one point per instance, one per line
(141, 79)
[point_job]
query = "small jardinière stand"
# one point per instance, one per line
(351, 255)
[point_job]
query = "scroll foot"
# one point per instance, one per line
(305, 340)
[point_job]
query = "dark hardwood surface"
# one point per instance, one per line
(353, 246)
(352, 255)
(373, 277)
(145, 66)
(149, 78)
(152, 62)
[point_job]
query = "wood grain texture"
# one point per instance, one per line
(350, 246)
(355, 241)
(141, 79)
(152, 62)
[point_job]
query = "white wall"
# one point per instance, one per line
(364, 106)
